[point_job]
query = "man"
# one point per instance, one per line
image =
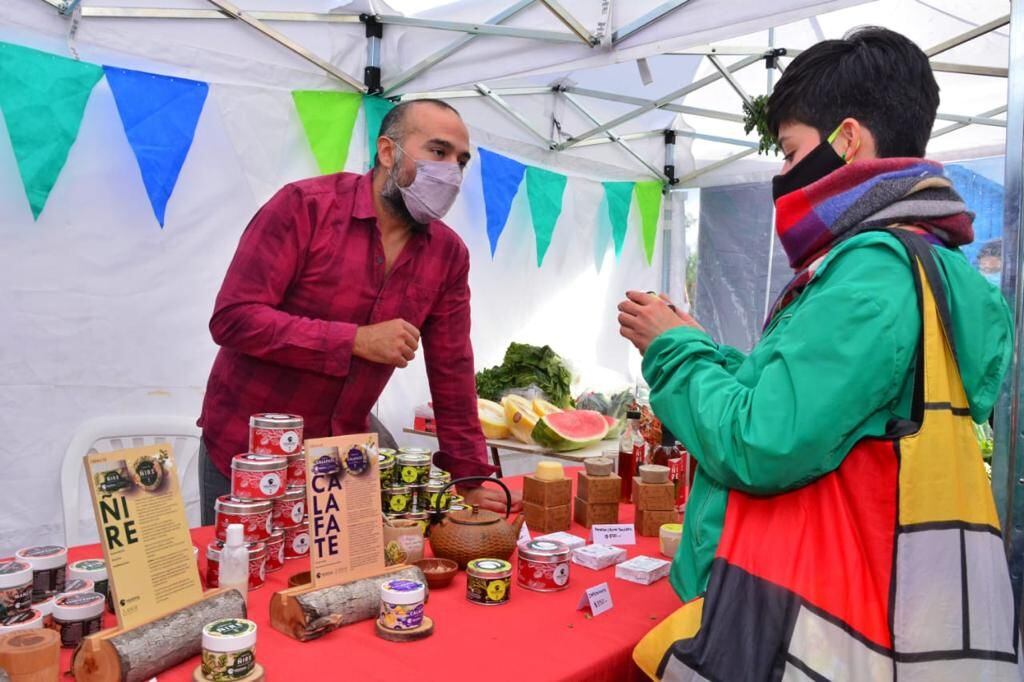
(841, 525)
(334, 284)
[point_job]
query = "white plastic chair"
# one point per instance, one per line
(105, 434)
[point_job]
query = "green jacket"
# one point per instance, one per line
(834, 367)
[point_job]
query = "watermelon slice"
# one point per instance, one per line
(571, 430)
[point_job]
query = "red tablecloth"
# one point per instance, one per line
(536, 636)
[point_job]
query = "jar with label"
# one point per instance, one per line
(272, 433)
(413, 467)
(543, 565)
(437, 498)
(440, 475)
(229, 649)
(96, 571)
(275, 550)
(258, 477)
(488, 581)
(401, 604)
(255, 517)
(45, 609)
(296, 540)
(386, 463)
(76, 616)
(296, 469)
(26, 620)
(257, 564)
(49, 563)
(290, 507)
(15, 587)
(396, 499)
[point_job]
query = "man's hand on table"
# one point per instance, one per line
(491, 498)
(394, 342)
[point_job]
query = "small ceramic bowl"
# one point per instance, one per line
(654, 473)
(438, 572)
(598, 466)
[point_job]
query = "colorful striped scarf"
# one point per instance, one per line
(863, 196)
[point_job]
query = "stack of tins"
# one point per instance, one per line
(410, 488)
(268, 497)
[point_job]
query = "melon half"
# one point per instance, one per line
(492, 419)
(520, 417)
(571, 430)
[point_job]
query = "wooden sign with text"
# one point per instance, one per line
(346, 537)
(143, 531)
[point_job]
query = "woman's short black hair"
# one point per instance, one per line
(877, 76)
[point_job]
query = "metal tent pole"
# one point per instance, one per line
(1008, 463)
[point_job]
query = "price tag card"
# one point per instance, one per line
(598, 598)
(613, 534)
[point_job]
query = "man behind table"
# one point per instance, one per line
(335, 282)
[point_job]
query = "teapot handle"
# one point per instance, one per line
(482, 479)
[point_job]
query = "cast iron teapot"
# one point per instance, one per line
(474, 533)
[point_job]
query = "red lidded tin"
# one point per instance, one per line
(297, 468)
(258, 477)
(275, 550)
(543, 565)
(271, 433)
(254, 515)
(290, 507)
(296, 540)
(257, 564)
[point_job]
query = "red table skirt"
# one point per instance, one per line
(536, 636)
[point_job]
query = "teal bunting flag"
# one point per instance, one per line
(544, 189)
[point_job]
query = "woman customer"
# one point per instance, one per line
(841, 525)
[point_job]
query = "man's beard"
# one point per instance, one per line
(392, 196)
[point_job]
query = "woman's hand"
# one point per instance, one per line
(643, 317)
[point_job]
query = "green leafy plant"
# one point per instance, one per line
(524, 366)
(755, 117)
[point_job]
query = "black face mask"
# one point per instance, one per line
(821, 161)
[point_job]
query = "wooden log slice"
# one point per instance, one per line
(141, 653)
(426, 629)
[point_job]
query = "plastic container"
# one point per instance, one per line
(396, 499)
(15, 587)
(669, 535)
(78, 615)
(401, 604)
(26, 620)
(229, 649)
(49, 564)
(79, 585)
(45, 609)
(257, 564)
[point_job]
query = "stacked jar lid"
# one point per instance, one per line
(268, 498)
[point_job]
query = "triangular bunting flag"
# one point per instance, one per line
(544, 189)
(648, 199)
(328, 118)
(374, 110)
(501, 178)
(159, 114)
(43, 98)
(618, 196)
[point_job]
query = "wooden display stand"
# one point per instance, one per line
(142, 652)
(547, 504)
(597, 499)
(306, 612)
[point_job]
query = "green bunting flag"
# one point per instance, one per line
(648, 199)
(43, 99)
(328, 118)
(374, 110)
(544, 189)
(618, 196)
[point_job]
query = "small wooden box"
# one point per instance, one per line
(547, 519)
(598, 489)
(588, 513)
(547, 493)
(654, 496)
(648, 522)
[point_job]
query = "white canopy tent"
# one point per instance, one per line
(106, 313)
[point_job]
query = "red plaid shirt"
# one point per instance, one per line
(308, 271)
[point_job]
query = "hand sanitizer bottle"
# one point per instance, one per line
(234, 561)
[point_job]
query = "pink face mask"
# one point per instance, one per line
(433, 191)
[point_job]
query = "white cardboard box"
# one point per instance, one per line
(643, 570)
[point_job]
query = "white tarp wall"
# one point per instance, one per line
(104, 313)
